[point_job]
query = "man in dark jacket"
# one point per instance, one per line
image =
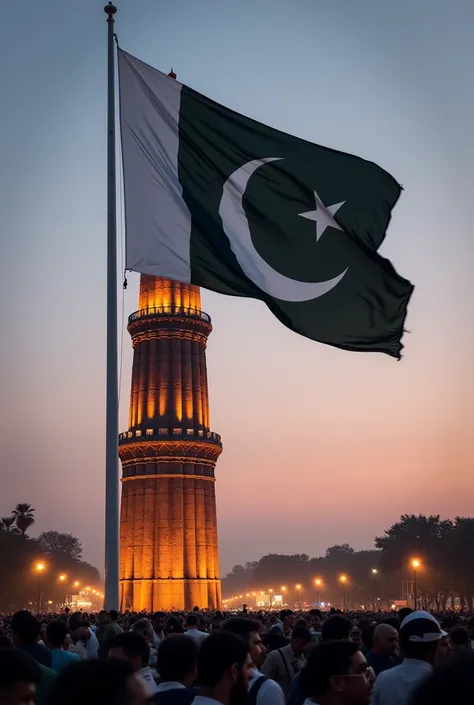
(177, 668)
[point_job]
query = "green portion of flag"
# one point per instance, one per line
(310, 215)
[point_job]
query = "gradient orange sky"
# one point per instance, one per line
(321, 446)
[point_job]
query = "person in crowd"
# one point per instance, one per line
(85, 639)
(316, 623)
(286, 622)
(56, 634)
(285, 663)
(133, 647)
(158, 623)
(19, 676)
(104, 682)
(109, 628)
(420, 634)
(444, 649)
(262, 690)
(336, 628)
(356, 637)
(337, 673)
(192, 628)
(384, 652)
(172, 626)
(25, 630)
(451, 683)
(224, 669)
(144, 627)
(459, 639)
(177, 666)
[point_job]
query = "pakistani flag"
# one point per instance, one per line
(219, 200)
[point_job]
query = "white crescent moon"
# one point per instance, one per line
(236, 227)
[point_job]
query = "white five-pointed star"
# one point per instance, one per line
(323, 216)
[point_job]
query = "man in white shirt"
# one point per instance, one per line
(262, 690)
(223, 667)
(133, 647)
(420, 634)
(192, 623)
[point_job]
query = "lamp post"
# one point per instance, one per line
(415, 564)
(283, 590)
(318, 582)
(298, 590)
(343, 580)
(40, 568)
(271, 597)
(62, 578)
(374, 573)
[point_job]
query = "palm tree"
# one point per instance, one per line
(8, 524)
(24, 515)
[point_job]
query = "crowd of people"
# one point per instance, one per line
(239, 658)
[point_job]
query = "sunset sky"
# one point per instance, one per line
(321, 446)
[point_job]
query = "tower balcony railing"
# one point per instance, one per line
(152, 311)
(173, 433)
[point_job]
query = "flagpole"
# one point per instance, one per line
(111, 430)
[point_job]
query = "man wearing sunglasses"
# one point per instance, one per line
(337, 673)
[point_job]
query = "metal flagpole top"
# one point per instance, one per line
(110, 9)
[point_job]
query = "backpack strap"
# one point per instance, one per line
(254, 690)
(285, 664)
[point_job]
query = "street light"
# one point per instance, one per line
(343, 580)
(62, 578)
(415, 564)
(374, 573)
(298, 589)
(40, 568)
(318, 582)
(271, 597)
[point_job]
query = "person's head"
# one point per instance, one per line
(337, 670)
(173, 626)
(81, 631)
(451, 682)
(444, 649)
(459, 639)
(223, 667)
(356, 637)
(316, 619)
(131, 647)
(249, 631)
(158, 621)
(144, 627)
(102, 617)
(56, 633)
(19, 674)
(192, 620)
(113, 615)
(288, 618)
(404, 612)
(420, 634)
(98, 682)
(336, 628)
(300, 638)
(385, 640)
(25, 628)
(177, 659)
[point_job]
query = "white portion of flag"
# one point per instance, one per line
(157, 220)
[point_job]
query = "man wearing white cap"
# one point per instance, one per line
(420, 634)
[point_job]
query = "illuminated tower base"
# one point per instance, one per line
(168, 524)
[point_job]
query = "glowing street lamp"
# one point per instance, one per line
(298, 589)
(374, 573)
(39, 568)
(318, 582)
(76, 583)
(343, 581)
(271, 597)
(415, 564)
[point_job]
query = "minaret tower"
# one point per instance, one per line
(168, 526)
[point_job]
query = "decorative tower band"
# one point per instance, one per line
(168, 526)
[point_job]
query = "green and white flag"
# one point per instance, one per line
(219, 200)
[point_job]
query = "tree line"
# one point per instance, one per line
(60, 553)
(379, 576)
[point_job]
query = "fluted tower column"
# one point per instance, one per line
(168, 525)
